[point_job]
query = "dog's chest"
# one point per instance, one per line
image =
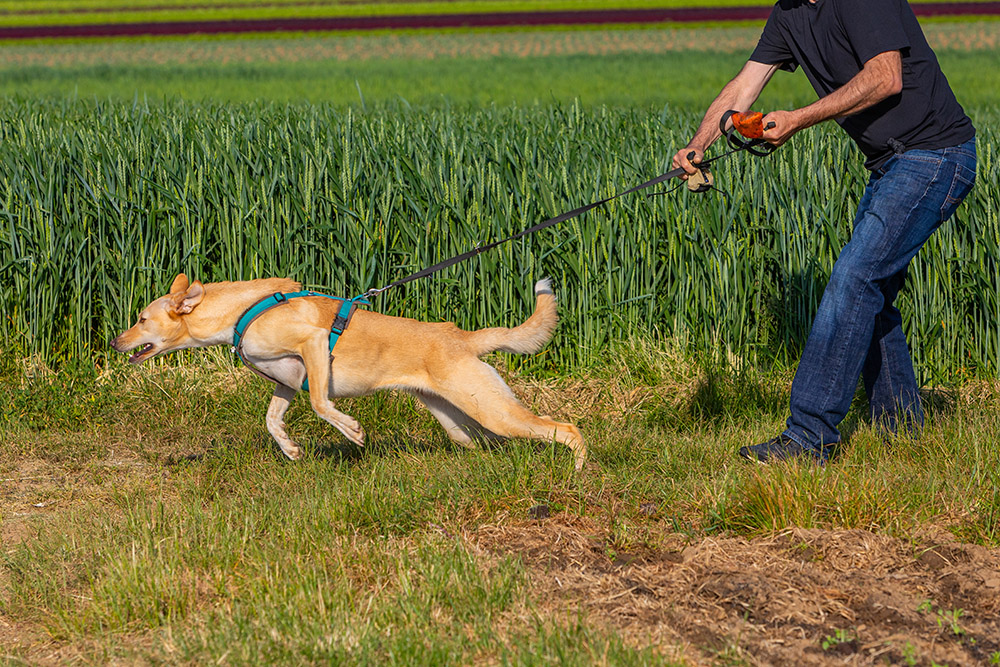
(289, 371)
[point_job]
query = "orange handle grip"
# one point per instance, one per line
(749, 123)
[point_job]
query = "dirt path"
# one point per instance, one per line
(440, 21)
(806, 597)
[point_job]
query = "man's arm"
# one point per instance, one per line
(880, 78)
(738, 94)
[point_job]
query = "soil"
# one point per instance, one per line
(811, 597)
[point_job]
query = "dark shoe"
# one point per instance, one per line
(781, 448)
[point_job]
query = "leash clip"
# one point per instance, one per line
(374, 291)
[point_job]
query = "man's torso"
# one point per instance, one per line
(832, 40)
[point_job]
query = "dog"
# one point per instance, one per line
(435, 361)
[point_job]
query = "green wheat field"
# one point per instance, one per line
(146, 517)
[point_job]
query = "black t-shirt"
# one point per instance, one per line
(833, 39)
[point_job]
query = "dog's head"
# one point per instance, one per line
(161, 327)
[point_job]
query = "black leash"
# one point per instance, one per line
(757, 147)
(531, 230)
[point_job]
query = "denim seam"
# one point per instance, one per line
(919, 158)
(960, 151)
(887, 360)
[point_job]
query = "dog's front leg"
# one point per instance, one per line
(280, 401)
(317, 362)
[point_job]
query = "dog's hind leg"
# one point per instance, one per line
(317, 362)
(280, 401)
(457, 424)
(476, 389)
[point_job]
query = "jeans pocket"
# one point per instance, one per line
(961, 185)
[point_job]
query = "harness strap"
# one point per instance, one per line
(340, 322)
(261, 307)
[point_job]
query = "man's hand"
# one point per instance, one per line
(786, 123)
(682, 159)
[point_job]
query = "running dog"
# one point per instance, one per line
(435, 361)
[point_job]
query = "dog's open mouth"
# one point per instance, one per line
(141, 354)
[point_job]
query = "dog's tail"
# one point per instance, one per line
(528, 337)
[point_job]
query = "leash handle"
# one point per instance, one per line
(749, 126)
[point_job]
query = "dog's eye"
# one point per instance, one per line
(142, 319)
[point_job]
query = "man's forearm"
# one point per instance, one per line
(738, 94)
(880, 78)
(708, 130)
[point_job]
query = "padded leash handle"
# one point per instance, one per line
(747, 132)
(701, 180)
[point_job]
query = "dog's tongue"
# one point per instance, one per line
(134, 359)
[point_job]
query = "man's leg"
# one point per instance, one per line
(890, 383)
(902, 206)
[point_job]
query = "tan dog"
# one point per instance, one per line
(436, 362)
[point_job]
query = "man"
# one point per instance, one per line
(877, 77)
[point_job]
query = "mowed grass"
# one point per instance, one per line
(613, 68)
(147, 516)
(616, 80)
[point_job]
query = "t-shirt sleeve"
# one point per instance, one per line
(772, 49)
(872, 26)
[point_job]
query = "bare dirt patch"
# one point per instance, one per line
(805, 596)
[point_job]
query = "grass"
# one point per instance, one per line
(148, 517)
(133, 12)
(344, 201)
(615, 81)
(600, 67)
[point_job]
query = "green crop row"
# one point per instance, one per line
(101, 204)
(54, 12)
(115, 11)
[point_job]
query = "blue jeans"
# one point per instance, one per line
(857, 330)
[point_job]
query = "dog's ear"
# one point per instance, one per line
(185, 302)
(179, 285)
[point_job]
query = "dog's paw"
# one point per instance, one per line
(352, 429)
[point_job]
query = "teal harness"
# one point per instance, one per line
(340, 322)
